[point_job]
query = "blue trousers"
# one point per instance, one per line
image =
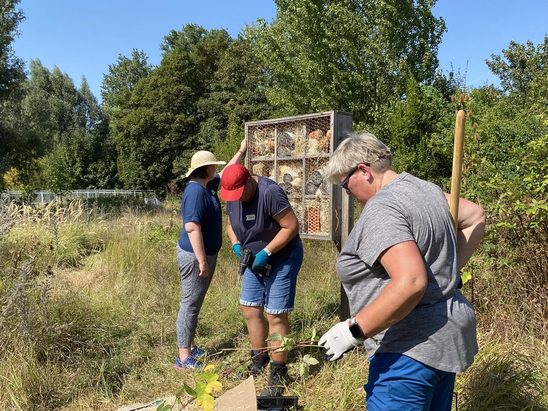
(398, 382)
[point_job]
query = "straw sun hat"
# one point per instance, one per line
(202, 158)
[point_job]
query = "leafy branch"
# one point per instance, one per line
(289, 344)
(207, 381)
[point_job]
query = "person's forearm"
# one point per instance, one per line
(197, 243)
(236, 158)
(470, 229)
(405, 266)
(392, 305)
(284, 236)
(289, 228)
(468, 241)
(231, 234)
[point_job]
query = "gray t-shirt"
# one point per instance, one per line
(441, 331)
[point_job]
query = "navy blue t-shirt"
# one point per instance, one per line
(201, 205)
(253, 222)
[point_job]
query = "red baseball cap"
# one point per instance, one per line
(233, 182)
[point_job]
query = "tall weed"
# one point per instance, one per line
(506, 376)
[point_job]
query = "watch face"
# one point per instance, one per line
(356, 331)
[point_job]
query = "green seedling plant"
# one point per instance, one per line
(466, 277)
(307, 360)
(304, 365)
(289, 344)
(207, 381)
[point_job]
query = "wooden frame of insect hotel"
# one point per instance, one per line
(293, 151)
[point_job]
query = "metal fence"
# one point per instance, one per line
(148, 196)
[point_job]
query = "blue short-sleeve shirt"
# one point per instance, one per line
(201, 205)
(253, 222)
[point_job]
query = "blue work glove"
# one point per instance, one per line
(261, 260)
(237, 248)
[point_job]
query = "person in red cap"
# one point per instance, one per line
(261, 221)
(197, 248)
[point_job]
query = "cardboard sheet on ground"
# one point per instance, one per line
(240, 398)
(153, 405)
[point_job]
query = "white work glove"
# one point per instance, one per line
(338, 340)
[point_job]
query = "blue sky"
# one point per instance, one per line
(82, 37)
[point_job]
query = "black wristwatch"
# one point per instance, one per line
(355, 329)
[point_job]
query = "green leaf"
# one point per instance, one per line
(189, 390)
(313, 337)
(288, 344)
(466, 276)
(274, 337)
(308, 359)
(179, 393)
(164, 407)
(206, 401)
(207, 376)
(200, 389)
(303, 369)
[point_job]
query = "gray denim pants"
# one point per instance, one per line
(193, 291)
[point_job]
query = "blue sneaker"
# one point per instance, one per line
(189, 363)
(197, 352)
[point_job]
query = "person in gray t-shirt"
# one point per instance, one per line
(400, 270)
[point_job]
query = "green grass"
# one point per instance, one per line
(93, 325)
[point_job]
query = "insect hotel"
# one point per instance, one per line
(293, 151)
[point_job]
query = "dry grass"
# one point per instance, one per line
(507, 375)
(102, 291)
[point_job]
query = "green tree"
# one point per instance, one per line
(505, 170)
(506, 141)
(51, 104)
(121, 79)
(523, 72)
(11, 67)
(345, 54)
(161, 121)
(73, 147)
(236, 94)
(20, 147)
(419, 131)
(498, 134)
(13, 145)
(85, 160)
(88, 112)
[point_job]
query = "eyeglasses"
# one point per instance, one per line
(344, 183)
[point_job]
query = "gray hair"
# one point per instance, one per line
(356, 149)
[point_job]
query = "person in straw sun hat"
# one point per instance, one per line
(197, 248)
(201, 159)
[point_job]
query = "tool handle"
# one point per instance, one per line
(456, 175)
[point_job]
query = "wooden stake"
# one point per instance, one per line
(456, 175)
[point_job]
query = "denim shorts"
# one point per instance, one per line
(275, 292)
(398, 382)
